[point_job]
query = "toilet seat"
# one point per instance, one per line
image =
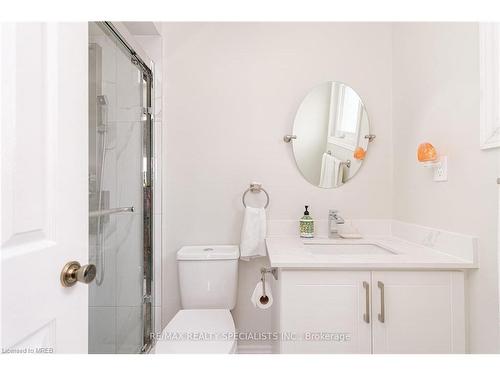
(198, 331)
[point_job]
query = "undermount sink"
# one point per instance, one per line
(346, 249)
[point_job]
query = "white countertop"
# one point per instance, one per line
(290, 252)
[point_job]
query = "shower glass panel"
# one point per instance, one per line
(119, 195)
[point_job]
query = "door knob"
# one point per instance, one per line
(73, 272)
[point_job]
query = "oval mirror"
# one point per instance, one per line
(332, 133)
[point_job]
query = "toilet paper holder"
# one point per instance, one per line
(264, 299)
(273, 271)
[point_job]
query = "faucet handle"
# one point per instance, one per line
(332, 212)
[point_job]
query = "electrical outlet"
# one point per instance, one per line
(441, 171)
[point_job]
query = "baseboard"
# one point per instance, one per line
(254, 348)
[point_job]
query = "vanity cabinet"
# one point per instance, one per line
(316, 305)
(329, 311)
(424, 312)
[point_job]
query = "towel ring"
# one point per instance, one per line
(255, 188)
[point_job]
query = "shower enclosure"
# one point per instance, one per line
(120, 196)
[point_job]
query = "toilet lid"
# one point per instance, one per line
(198, 331)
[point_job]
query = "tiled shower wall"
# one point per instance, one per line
(115, 316)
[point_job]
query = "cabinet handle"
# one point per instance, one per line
(381, 316)
(366, 315)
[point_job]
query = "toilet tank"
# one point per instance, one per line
(208, 276)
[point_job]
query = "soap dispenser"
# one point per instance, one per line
(306, 225)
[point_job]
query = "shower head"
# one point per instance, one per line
(102, 99)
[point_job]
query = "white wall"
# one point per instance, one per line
(231, 94)
(232, 90)
(436, 99)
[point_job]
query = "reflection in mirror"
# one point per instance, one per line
(332, 130)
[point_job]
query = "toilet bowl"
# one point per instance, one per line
(209, 331)
(208, 282)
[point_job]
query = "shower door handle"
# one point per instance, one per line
(73, 272)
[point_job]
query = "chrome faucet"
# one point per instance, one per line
(333, 220)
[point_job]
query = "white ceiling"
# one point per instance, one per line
(141, 28)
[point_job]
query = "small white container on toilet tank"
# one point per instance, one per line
(208, 276)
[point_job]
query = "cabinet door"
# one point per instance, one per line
(324, 312)
(418, 312)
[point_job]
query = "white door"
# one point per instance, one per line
(328, 311)
(44, 198)
(418, 312)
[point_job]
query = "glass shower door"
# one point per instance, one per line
(118, 93)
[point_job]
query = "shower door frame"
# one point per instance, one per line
(147, 183)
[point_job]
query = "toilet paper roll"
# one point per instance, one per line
(259, 300)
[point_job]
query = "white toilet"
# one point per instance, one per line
(208, 282)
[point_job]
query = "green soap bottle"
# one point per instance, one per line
(306, 225)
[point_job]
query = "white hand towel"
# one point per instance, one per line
(339, 172)
(253, 233)
(327, 171)
(259, 292)
(332, 172)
